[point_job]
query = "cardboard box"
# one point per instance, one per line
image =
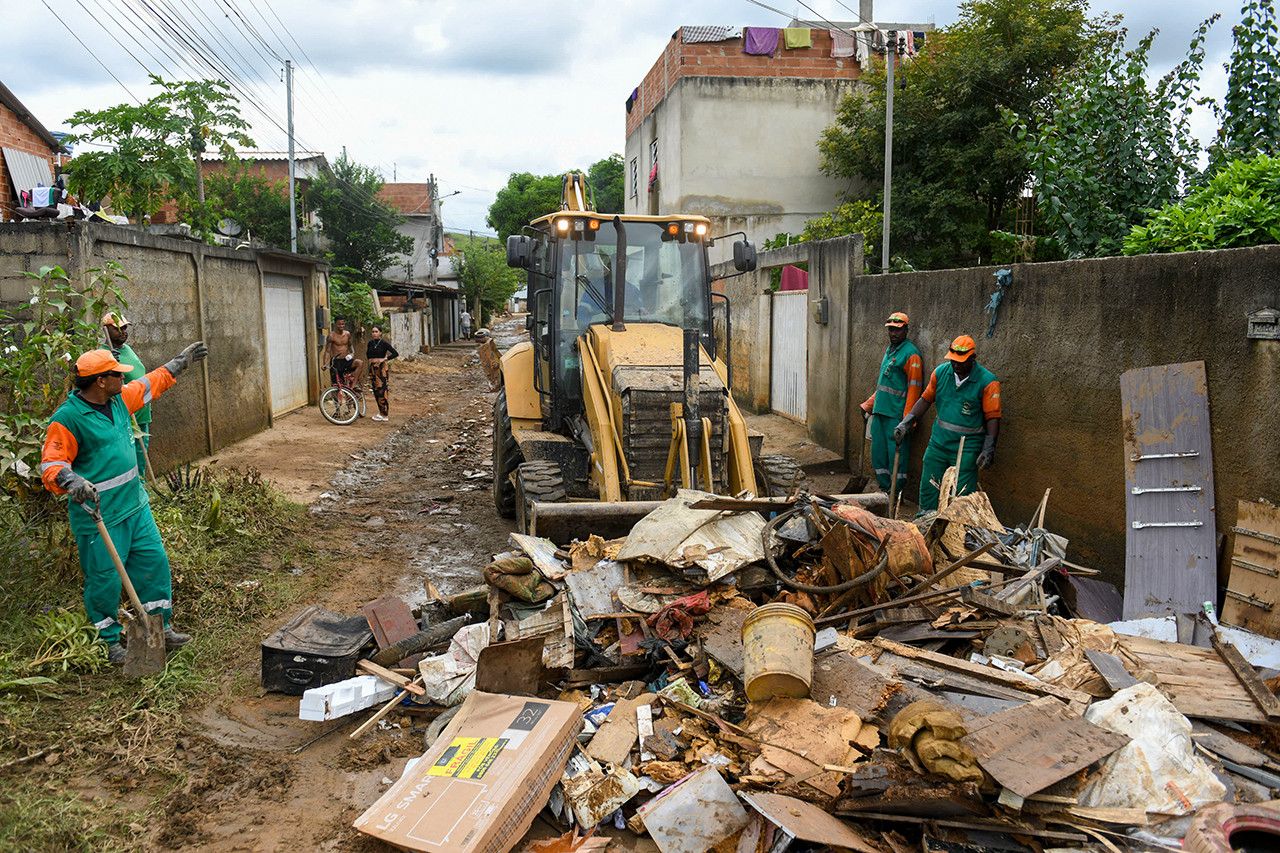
(479, 787)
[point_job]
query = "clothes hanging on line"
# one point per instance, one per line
(760, 41)
(693, 35)
(797, 37)
(842, 44)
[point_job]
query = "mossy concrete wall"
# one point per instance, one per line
(1064, 334)
(178, 291)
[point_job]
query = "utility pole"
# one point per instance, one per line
(891, 57)
(293, 212)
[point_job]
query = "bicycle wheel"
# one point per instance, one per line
(339, 406)
(363, 405)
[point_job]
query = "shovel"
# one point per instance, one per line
(858, 482)
(893, 486)
(145, 653)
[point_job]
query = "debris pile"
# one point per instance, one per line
(752, 675)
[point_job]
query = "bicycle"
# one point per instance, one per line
(343, 401)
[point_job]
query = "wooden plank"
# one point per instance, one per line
(1248, 677)
(1028, 748)
(1002, 827)
(1253, 584)
(1171, 548)
(1227, 747)
(722, 637)
(1075, 699)
(390, 677)
(1196, 680)
(543, 553)
(618, 733)
(1111, 669)
(391, 621)
(990, 604)
(937, 677)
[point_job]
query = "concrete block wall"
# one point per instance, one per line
(178, 291)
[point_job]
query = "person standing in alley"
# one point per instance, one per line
(89, 456)
(465, 319)
(898, 387)
(377, 353)
(968, 397)
(118, 328)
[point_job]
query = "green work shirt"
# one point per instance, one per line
(892, 383)
(129, 357)
(959, 409)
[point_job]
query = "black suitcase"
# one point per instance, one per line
(316, 647)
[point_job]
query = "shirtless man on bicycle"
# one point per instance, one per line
(340, 354)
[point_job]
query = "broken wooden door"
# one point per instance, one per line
(1170, 554)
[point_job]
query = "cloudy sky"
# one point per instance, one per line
(469, 91)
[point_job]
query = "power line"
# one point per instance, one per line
(90, 52)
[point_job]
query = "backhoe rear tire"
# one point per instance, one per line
(779, 476)
(540, 482)
(506, 457)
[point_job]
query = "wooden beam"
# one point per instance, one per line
(1248, 677)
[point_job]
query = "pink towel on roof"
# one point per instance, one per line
(760, 41)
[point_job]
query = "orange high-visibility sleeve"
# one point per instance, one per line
(930, 390)
(870, 403)
(991, 400)
(60, 449)
(914, 369)
(139, 392)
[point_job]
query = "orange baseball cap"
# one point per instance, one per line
(97, 361)
(897, 319)
(115, 318)
(962, 349)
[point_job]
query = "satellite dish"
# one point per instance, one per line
(229, 228)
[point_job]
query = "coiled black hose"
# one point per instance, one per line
(861, 580)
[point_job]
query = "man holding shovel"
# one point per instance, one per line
(89, 456)
(898, 386)
(967, 424)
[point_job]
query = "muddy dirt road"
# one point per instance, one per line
(399, 503)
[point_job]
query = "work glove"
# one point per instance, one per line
(78, 488)
(900, 431)
(866, 416)
(988, 455)
(181, 361)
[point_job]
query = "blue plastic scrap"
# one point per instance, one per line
(1004, 278)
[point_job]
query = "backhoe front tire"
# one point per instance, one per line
(779, 476)
(506, 457)
(540, 482)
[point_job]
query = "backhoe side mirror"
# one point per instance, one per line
(519, 251)
(744, 255)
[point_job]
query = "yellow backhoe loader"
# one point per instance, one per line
(620, 397)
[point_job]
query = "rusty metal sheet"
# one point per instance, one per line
(807, 822)
(1170, 555)
(511, 668)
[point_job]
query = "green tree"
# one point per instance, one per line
(360, 227)
(1107, 149)
(244, 195)
(957, 171)
(1240, 206)
(351, 298)
(154, 145)
(486, 279)
(1251, 109)
(608, 184)
(525, 197)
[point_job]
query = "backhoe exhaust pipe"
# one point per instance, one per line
(692, 417)
(619, 276)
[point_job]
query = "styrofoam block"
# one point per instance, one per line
(344, 697)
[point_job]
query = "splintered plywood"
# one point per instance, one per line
(1170, 564)
(1253, 586)
(1196, 680)
(1028, 748)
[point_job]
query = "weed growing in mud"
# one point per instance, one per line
(36, 814)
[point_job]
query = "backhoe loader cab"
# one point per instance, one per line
(621, 393)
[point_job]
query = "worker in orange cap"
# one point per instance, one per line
(898, 387)
(89, 456)
(968, 397)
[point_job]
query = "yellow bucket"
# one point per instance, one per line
(777, 651)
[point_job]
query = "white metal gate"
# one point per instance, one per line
(789, 354)
(286, 342)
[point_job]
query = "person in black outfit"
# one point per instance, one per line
(377, 354)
